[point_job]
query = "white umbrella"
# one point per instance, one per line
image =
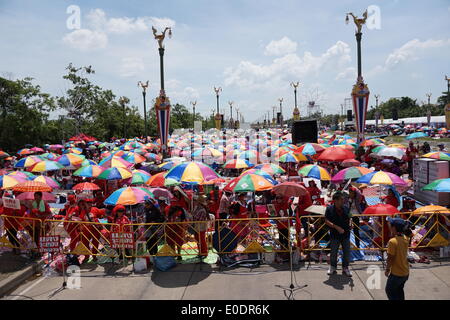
(391, 152)
(316, 209)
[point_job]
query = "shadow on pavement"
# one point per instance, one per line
(338, 281)
(181, 275)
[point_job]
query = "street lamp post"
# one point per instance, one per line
(162, 104)
(447, 106)
(144, 89)
(296, 112)
(281, 112)
(274, 120)
(377, 113)
(194, 103)
(429, 110)
(231, 114)
(360, 91)
(218, 117)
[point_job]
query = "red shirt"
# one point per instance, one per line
(13, 223)
(282, 223)
(303, 203)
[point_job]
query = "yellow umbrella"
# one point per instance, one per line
(431, 209)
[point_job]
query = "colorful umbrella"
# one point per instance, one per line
(49, 156)
(28, 162)
(416, 135)
(437, 155)
(56, 146)
(73, 150)
(160, 192)
(46, 196)
(431, 209)
(36, 149)
(168, 165)
(309, 149)
(237, 164)
(128, 196)
(3, 154)
(349, 174)
(440, 185)
(381, 209)
(192, 172)
(24, 151)
(293, 158)
(88, 162)
(115, 174)
(336, 154)
(381, 177)
(86, 186)
(270, 168)
(350, 163)
(314, 171)
(290, 189)
(207, 152)
(157, 180)
(92, 171)
(134, 158)
(250, 183)
(52, 183)
(115, 162)
(70, 159)
(139, 177)
(7, 181)
(46, 165)
(23, 174)
(258, 172)
(391, 152)
(32, 186)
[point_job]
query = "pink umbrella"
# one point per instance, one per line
(56, 146)
(36, 149)
(160, 192)
(46, 196)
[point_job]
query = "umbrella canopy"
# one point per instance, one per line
(86, 186)
(36, 149)
(134, 158)
(8, 181)
(160, 192)
(431, 209)
(24, 151)
(32, 186)
(381, 209)
(350, 173)
(70, 159)
(92, 171)
(381, 177)
(336, 154)
(440, 185)
(115, 162)
(115, 174)
(391, 152)
(52, 183)
(157, 180)
(316, 209)
(290, 189)
(250, 183)
(258, 172)
(192, 172)
(139, 177)
(309, 149)
(3, 154)
(56, 146)
(207, 152)
(437, 155)
(397, 145)
(128, 196)
(28, 162)
(314, 171)
(237, 164)
(168, 165)
(350, 163)
(270, 168)
(293, 158)
(46, 165)
(23, 174)
(73, 150)
(416, 135)
(46, 196)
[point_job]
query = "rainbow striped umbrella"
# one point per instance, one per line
(49, 156)
(314, 171)
(128, 196)
(115, 162)
(437, 155)
(152, 157)
(168, 165)
(91, 171)
(381, 177)
(70, 159)
(290, 157)
(139, 177)
(207, 152)
(28, 162)
(249, 154)
(24, 151)
(46, 165)
(270, 168)
(22, 174)
(86, 186)
(52, 183)
(439, 185)
(115, 174)
(88, 162)
(350, 173)
(309, 149)
(134, 158)
(7, 181)
(258, 172)
(250, 183)
(73, 150)
(237, 164)
(3, 154)
(192, 172)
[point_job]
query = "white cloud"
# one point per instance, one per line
(347, 74)
(280, 47)
(181, 94)
(84, 39)
(250, 75)
(131, 66)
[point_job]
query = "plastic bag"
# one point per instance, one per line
(164, 263)
(140, 265)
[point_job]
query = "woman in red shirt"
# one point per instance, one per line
(72, 214)
(314, 191)
(281, 205)
(239, 211)
(175, 232)
(120, 219)
(12, 225)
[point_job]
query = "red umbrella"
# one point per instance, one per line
(381, 209)
(46, 196)
(86, 186)
(350, 163)
(290, 189)
(32, 186)
(157, 180)
(336, 154)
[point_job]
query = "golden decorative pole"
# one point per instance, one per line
(296, 113)
(218, 117)
(281, 112)
(194, 103)
(447, 106)
(144, 90)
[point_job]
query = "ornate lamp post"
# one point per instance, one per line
(231, 114)
(238, 119)
(144, 89)
(281, 112)
(194, 103)
(296, 113)
(428, 111)
(447, 106)
(218, 118)
(162, 104)
(274, 120)
(377, 112)
(360, 92)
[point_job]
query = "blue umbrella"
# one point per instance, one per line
(416, 135)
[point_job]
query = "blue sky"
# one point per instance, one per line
(252, 49)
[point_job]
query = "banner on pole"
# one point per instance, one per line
(49, 244)
(360, 98)
(11, 203)
(122, 240)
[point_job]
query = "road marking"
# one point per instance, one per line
(29, 288)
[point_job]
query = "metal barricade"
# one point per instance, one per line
(20, 233)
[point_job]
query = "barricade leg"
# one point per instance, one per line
(200, 237)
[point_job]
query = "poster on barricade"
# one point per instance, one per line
(49, 244)
(11, 203)
(122, 240)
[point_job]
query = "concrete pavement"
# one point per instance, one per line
(207, 282)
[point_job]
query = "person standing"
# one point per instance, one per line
(39, 210)
(338, 218)
(282, 210)
(154, 215)
(201, 217)
(397, 266)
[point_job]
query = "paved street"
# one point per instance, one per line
(204, 282)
